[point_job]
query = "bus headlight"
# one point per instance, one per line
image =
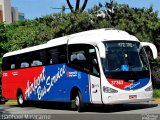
(149, 88)
(109, 90)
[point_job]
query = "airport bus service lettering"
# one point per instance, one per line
(50, 81)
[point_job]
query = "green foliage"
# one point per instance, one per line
(26, 33)
(141, 22)
(156, 93)
(30, 36)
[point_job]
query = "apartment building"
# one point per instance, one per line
(9, 14)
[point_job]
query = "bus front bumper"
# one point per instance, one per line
(127, 98)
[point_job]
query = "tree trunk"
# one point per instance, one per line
(77, 5)
(84, 5)
(70, 6)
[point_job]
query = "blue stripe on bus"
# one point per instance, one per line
(57, 82)
(138, 84)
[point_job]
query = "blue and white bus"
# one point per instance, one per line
(104, 66)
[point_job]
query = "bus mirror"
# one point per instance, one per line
(101, 48)
(152, 47)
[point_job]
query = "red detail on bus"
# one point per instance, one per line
(14, 79)
(118, 83)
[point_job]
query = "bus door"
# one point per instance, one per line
(95, 83)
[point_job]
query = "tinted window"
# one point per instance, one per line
(36, 59)
(78, 56)
(94, 67)
(84, 57)
(22, 61)
(57, 55)
(5, 64)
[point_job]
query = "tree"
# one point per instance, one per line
(77, 7)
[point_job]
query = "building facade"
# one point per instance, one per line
(9, 14)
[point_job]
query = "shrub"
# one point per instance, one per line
(156, 93)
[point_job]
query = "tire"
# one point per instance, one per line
(78, 102)
(119, 106)
(20, 99)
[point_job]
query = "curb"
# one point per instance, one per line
(156, 100)
(10, 103)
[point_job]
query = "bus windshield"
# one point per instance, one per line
(125, 60)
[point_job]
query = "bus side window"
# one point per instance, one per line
(53, 53)
(22, 61)
(94, 67)
(36, 63)
(43, 56)
(12, 61)
(24, 65)
(13, 66)
(36, 59)
(6, 64)
(78, 56)
(57, 55)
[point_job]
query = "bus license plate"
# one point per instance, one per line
(132, 96)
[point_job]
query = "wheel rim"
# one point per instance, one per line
(20, 98)
(77, 100)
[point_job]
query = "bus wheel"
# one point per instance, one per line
(78, 103)
(20, 99)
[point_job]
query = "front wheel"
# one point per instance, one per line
(78, 102)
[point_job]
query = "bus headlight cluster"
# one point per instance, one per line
(149, 88)
(109, 90)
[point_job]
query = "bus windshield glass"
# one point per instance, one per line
(125, 60)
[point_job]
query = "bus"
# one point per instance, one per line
(102, 66)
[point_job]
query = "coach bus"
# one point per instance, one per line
(103, 66)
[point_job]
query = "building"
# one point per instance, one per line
(9, 14)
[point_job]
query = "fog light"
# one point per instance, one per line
(149, 88)
(109, 90)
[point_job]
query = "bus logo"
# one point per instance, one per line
(72, 74)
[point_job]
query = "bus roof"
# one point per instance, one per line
(90, 37)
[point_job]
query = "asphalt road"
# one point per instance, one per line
(56, 111)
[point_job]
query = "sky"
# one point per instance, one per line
(38, 8)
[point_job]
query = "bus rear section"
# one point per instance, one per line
(45, 75)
